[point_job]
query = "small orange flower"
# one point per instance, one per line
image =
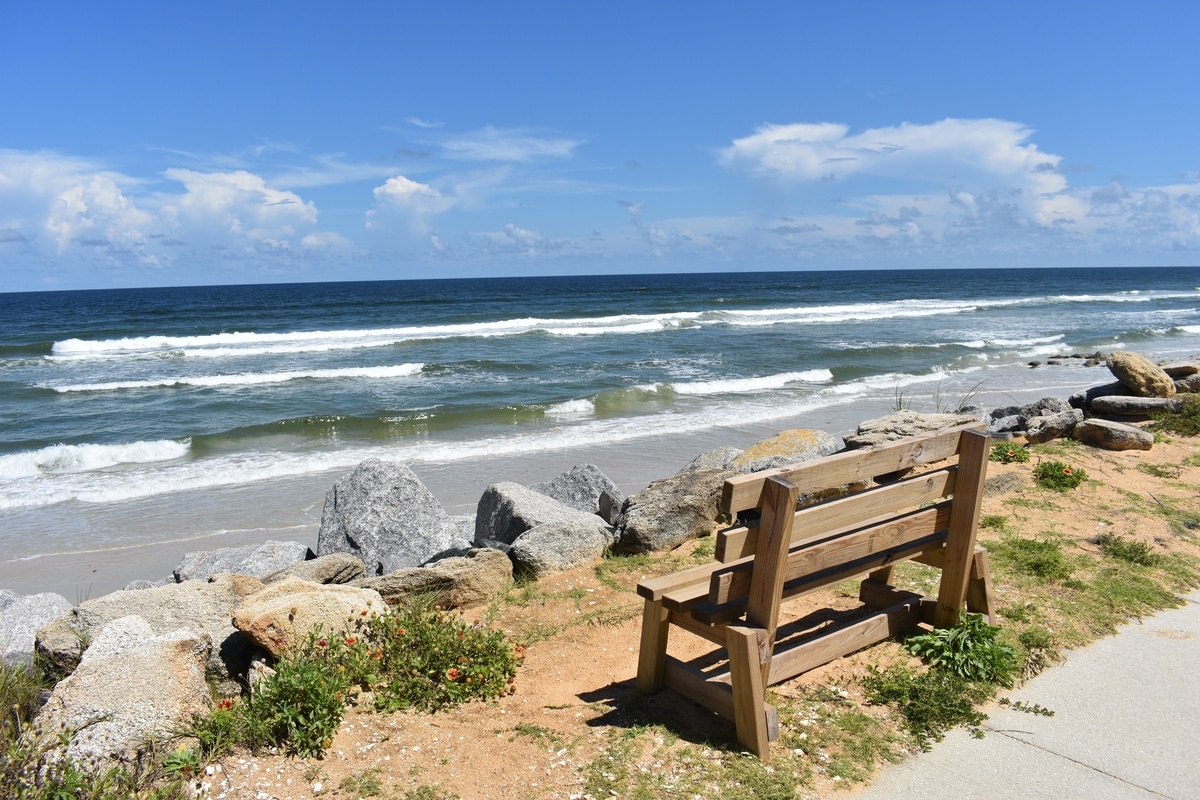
(350, 640)
(1066, 470)
(322, 643)
(399, 631)
(453, 673)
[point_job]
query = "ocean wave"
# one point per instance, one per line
(245, 379)
(250, 343)
(572, 408)
(744, 385)
(59, 459)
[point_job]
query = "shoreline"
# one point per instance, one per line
(156, 533)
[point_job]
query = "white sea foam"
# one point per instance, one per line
(748, 385)
(62, 459)
(246, 379)
(572, 408)
(249, 343)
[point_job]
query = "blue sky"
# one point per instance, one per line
(147, 144)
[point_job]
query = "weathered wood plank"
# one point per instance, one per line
(713, 614)
(745, 491)
(857, 509)
(713, 693)
(732, 581)
(713, 633)
(765, 592)
(656, 588)
(964, 523)
(790, 662)
(881, 595)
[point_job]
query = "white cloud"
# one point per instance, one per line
(493, 144)
(988, 151)
(237, 202)
(411, 199)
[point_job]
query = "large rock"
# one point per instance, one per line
(203, 607)
(131, 687)
(1141, 375)
(20, 618)
(1046, 407)
(558, 546)
(671, 511)
(283, 613)
(1083, 399)
(1053, 426)
(333, 568)
(506, 510)
(477, 577)
(579, 487)
(456, 582)
(717, 458)
(1112, 435)
(901, 425)
(1188, 385)
(1134, 406)
(384, 515)
(788, 447)
(1181, 369)
(253, 559)
(397, 588)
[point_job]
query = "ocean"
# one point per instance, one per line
(137, 425)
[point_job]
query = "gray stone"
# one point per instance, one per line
(1112, 435)
(1181, 369)
(610, 507)
(1188, 385)
(402, 585)
(558, 546)
(579, 487)
(1047, 406)
(1004, 424)
(717, 458)
(506, 510)
(1054, 426)
(282, 615)
(253, 559)
(20, 618)
(1143, 377)
(1084, 398)
(900, 425)
(671, 511)
(204, 607)
(384, 515)
(142, 583)
(1134, 406)
(131, 687)
(1006, 411)
(477, 577)
(787, 447)
(333, 568)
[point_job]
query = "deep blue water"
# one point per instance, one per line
(116, 395)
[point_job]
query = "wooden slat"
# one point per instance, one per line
(711, 692)
(857, 509)
(880, 595)
(711, 613)
(713, 633)
(656, 588)
(964, 523)
(733, 580)
(981, 599)
(745, 491)
(845, 640)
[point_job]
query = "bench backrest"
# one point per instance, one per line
(791, 551)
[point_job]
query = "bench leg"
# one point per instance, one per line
(749, 649)
(652, 656)
(980, 598)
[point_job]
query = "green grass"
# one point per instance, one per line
(1058, 476)
(1135, 552)
(1184, 422)
(1043, 559)
(929, 702)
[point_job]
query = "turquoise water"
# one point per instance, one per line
(118, 401)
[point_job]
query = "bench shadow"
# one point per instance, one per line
(691, 722)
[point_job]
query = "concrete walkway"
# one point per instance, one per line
(1126, 725)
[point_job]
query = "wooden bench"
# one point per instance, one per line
(930, 517)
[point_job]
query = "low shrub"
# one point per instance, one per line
(1183, 422)
(1041, 558)
(968, 650)
(1009, 453)
(1130, 550)
(1058, 476)
(930, 702)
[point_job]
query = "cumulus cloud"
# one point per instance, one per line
(951, 150)
(237, 202)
